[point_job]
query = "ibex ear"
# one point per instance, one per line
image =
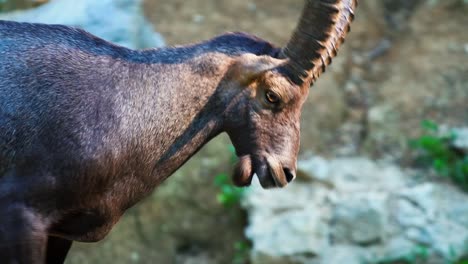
(249, 67)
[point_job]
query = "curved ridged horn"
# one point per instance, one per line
(322, 28)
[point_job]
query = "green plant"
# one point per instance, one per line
(228, 194)
(436, 149)
(418, 254)
(454, 258)
(241, 252)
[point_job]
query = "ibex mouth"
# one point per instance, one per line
(269, 172)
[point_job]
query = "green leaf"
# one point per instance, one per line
(429, 125)
(423, 251)
(220, 198)
(221, 179)
(440, 166)
(435, 149)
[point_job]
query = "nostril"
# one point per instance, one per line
(289, 174)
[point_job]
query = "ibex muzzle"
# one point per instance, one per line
(88, 128)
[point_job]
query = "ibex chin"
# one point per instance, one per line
(88, 128)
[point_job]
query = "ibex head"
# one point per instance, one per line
(263, 118)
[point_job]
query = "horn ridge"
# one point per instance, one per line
(321, 30)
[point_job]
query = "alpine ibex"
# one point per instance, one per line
(88, 128)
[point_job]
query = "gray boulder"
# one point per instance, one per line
(118, 21)
(357, 210)
(284, 230)
(359, 221)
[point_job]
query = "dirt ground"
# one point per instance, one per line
(182, 21)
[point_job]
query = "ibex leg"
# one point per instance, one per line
(57, 249)
(22, 236)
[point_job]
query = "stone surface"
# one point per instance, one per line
(367, 212)
(359, 220)
(338, 174)
(461, 139)
(119, 21)
(302, 232)
(343, 254)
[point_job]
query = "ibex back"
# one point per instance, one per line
(88, 128)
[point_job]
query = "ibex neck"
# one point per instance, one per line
(170, 101)
(170, 110)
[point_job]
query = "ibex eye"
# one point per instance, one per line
(272, 97)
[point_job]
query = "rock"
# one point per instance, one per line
(359, 220)
(436, 219)
(344, 254)
(450, 240)
(419, 236)
(408, 215)
(295, 233)
(298, 197)
(423, 196)
(369, 212)
(303, 231)
(314, 169)
(461, 139)
(280, 226)
(119, 21)
(349, 174)
(397, 250)
(456, 211)
(354, 174)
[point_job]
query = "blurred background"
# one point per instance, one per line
(383, 171)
